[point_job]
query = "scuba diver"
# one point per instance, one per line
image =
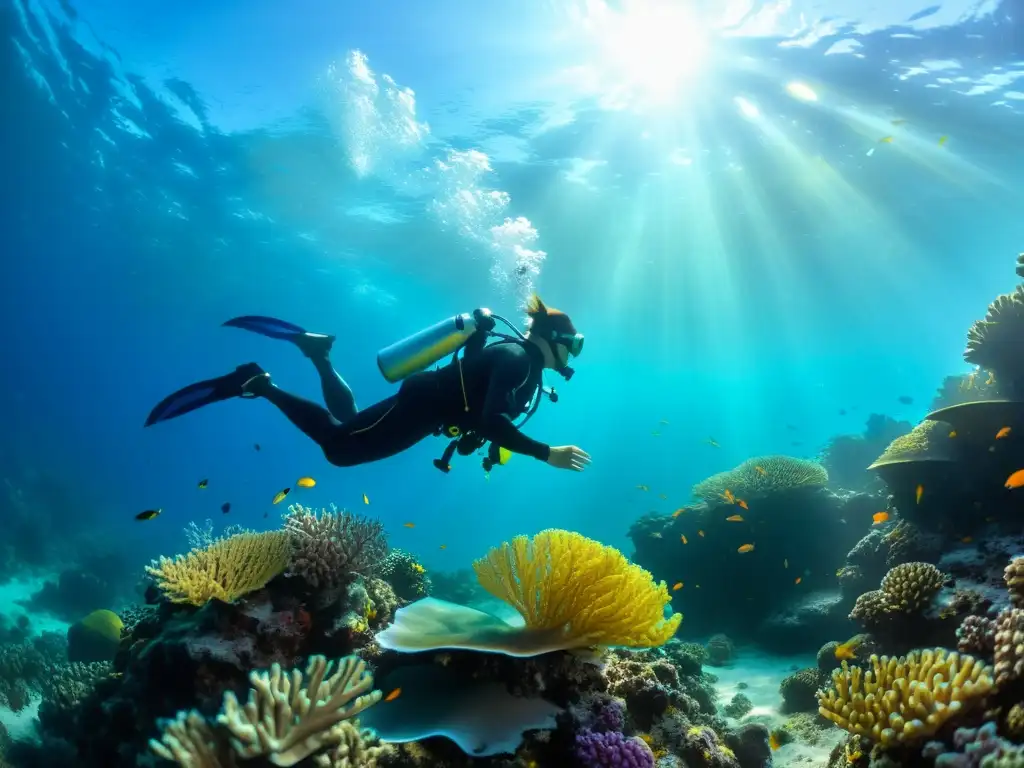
(473, 400)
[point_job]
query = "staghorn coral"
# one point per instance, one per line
(1009, 645)
(799, 690)
(746, 481)
(288, 717)
(226, 570)
(903, 700)
(977, 635)
(1014, 577)
(994, 342)
(909, 587)
(331, 547)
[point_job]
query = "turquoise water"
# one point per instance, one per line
(769, 220)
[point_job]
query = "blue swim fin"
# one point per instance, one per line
(205, 392)
(267, 326)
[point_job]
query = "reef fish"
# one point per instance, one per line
(746, 548)
(879, 518)
(712, 442)
(366, 499)
(727, 495)
(225, 507)
(1004, 432)
(408, 525)
(279, 496)
(735, 518)
(149, 514)
(305, 482)
(203, 483)
(1016, 480)
(943, 140)
(848, 650)
(919, 493)
(761, 470)
(742, 504)
(393, 695)
(678, 512)
(677, 586)
(683, 539)
(642, 488)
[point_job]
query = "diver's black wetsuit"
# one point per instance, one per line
(482, 393)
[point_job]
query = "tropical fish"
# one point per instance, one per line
(906, 399)
(678, 512)
(663, 496)
(504, 455)
(663, 421)
(898, 121)
(149, 514)
(848, 650)
(1004, 432)
(393, 695)
(366, 499)
(712, 442)
(642, 488)
(408, 525)
(701, 534)
(798, 579)
(879, 518)
(991, 379)
(774, 742)
(761, 470)
(256, 446)
(203, 483)
(943, 140)
(919, 493)
(734, 518)
(305, 482)
(279, 496)
(967, 539)
(785, 563)
(443, 546)
(677, 586)
(746, 548)
(729, 497)
(683, 539)
(952, 433)
(742, 504)
(656, 535)
(225, 507)
(968, 383)
(885, 140)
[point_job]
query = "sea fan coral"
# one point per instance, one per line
(762, 476)
(903, 700)
(911, 586)
(994, 342)
(330, 548)
(226, 570)
(571, 591)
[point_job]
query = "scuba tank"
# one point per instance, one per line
(421, 350)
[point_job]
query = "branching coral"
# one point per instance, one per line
(762, 476)
(902, 700)
(287, 718)
(994, 342)
(330, 548)
(226, 570)
(572, 592)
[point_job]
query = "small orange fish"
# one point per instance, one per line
(656, 535)
(701, 534)
(879, 518)
(761, 470)
(678, 512)
(683, 539)
(785, 563)
(642, 488)
(728, 496)
(746, 548)
(773, 741)
(742, 504)
(1004, 432)
(409, 525)
(952, 433)
(305, 482)
(967, 539)
(920, 493)
(798, 580)
(393, 695)
(677, 586)
(366, 499)
(734, 518)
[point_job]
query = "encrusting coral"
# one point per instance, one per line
(762, 476)
(902, 700)
(226, 570)
(287, 718)
(571, 591)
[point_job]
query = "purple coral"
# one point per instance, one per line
(612, 750)
(608, 716)
(329, 549)
(973, 743)
(976, 635)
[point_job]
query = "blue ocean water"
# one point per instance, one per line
(769, 219)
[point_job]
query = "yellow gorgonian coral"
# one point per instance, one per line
(903, 700)
(225, 570)
(591, 594)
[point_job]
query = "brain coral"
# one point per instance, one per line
(903, 700)
(762, 476)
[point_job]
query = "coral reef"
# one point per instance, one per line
(759, 477)
(226, 570)
(994, 341)
(800, 690)
(612, 750)
(26, 668)
(406, 576)
(846, 457)
(976, 635)
(738, 706)
(907, 699)
(719, 650)
(1008, 643)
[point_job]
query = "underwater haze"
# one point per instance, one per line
(777, 224)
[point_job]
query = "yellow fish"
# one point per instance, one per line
(443, 546)
(642, 488)
(408, 525)
(393, 695)
(1004, 432)
(683, 539)
(305, 482)
(848, 650)
(734, 518)
(943, 140)
(279, 496)
(879, 518)
(952, 433)
(656, 535)
(366, 499)
(761, 470)
(701, 534)
(746, 548)
(678, 512)
(885, 140)
(729, 497)
(677, 586)
(991, 379)
(920, 493)
(149, 514)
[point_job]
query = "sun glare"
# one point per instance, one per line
(652, 48)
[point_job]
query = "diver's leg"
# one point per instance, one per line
(338, 396)
(314, 420)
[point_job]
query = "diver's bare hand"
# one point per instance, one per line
(568, 457)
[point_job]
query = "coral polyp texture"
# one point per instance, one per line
(928, 441)
(1009, 645)
(911, 586)
(1014, 577)
(762, 476)
(589, 593)
(903, 700)
(995, 341)
(331, 547)
(225, 570)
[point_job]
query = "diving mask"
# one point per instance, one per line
(571, 341)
